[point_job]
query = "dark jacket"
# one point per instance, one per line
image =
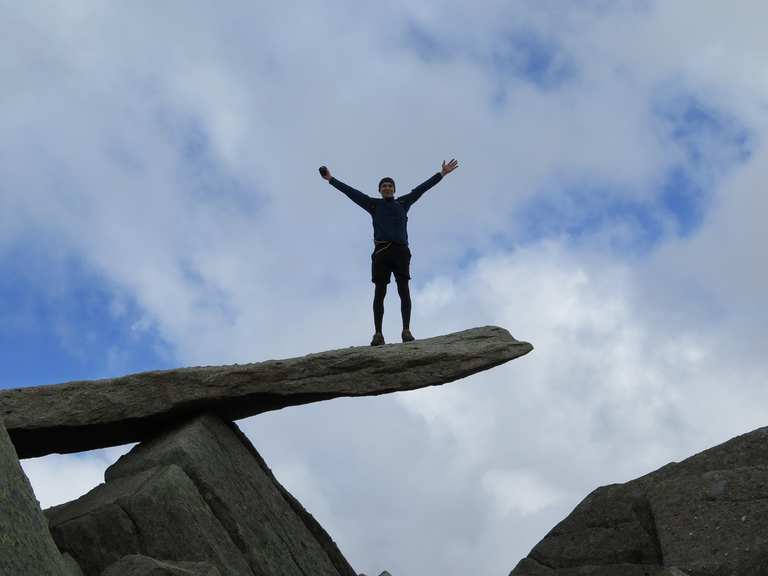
(390, 215)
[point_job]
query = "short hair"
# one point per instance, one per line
(387, 179)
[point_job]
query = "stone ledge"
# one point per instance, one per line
(85, 415)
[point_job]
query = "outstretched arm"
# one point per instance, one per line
(365, 202)
(416, 193)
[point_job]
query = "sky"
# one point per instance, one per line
(160, 206)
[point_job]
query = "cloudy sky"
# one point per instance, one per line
(160, 206)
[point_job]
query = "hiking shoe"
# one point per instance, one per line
(378, 339)
(407, 336)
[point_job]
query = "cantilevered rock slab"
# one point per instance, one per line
(26, 546)
(79, 416)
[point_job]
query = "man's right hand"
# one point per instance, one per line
(325, 173)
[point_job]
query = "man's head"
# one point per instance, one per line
(387, 187)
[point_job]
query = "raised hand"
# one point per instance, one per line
(450, 167)
(325, 173)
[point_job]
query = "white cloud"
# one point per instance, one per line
(60, 478)
(520, 491)
(638, 360)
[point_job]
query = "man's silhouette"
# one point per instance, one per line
(390, 236)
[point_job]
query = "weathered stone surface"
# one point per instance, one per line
(95, 529)
(26, 546)
(619, 570)
(716, 519)
(73, 568)
(272, 530)
(529, 567)
(611, 526)
(138, 565)
(157, 513)
(707, 515)
(95, 414)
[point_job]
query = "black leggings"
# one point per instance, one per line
(405, 303)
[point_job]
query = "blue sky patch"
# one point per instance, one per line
(426, 45)
(59, 322)
(210, 297)
(710, 142)
(710, 139)
(625, 222)
(521, 55)
(707, 144)
(586, 213)
(684, 200)
(201, 175)
(529, 57)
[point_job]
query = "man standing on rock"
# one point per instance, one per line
(390, 237)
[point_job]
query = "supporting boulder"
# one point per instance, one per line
(268, 525)
(198, 491)
(158, 513)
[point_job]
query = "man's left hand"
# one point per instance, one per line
(450, 167)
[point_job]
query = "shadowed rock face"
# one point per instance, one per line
(26, 546)
(158, 513)
(273, 531)
(529, 567)
(72, 567)
(704, 516)
(197, 492)
(138, 565)
(79, 416)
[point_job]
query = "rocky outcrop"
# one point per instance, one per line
(197, 492)
(704, 516)
(95, 414)
(26, 546)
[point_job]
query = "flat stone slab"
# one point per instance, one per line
(85, 415)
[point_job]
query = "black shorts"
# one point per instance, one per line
(390, 258)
